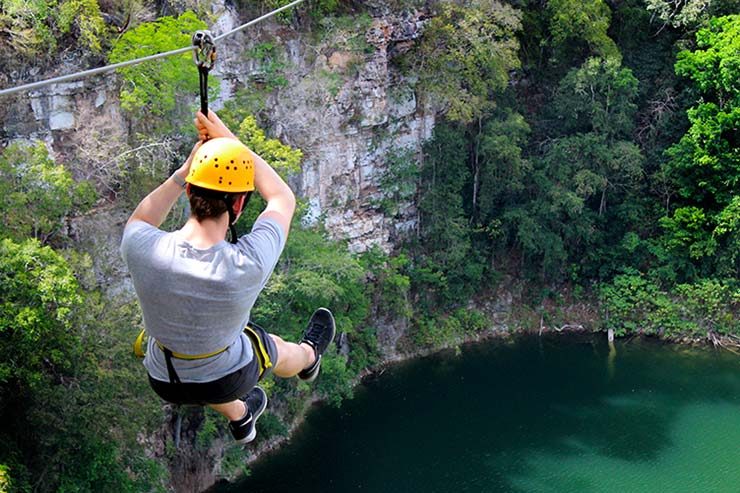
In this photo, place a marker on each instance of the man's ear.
(187, 189)
(239, 205)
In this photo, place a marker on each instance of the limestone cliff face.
(345, 111)
(343, 107)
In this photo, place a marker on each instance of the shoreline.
(273, 445)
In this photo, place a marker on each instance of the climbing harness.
(204, 56)
(259, 348)
(263, 357)
(108, 68)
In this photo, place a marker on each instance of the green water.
(556, 414)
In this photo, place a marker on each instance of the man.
(196, 290)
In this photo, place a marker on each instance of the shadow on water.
(503, 417)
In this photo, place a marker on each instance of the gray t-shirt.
(198, 301)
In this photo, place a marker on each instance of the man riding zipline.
(196, 290)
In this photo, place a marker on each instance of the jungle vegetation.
(586, 149)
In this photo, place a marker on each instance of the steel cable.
(108, 68)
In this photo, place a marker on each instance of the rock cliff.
(345, 107)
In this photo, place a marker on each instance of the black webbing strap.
(174, 378)
(203, 73)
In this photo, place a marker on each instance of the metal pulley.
(204, 56)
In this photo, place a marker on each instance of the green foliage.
(688, 231)
(465, 56)
(5, 481)
(398, 182)
(272, 66)
(713, 303)
(633, 303)
(389, 285)
(36, 29)
(679, 13)
(208, 429)
(705, 164)
(336, 380)
(312, 272)
(84, 17)
(446, 263)
(57, 420)
(446, 329)
(347, 33)
(39, 294)
(233, 463)
(707, 160)
(272, 426)
(503, 170)
(153, 92)
(598, 97)
(316, 9)
(585, 22)
(36, 195)
(284, 159)
(577, 188)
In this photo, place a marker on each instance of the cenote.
(529, 414)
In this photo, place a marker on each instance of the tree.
(34, 28)
(504, 172)
(566, 215)
(466, 54)
(283, 158)
(39, 294)
(447, 267)
(37, 196)
(584, 23)
(598, 97)
(679, 13)
(705, 164)
(158, 89)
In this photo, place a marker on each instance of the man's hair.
(208, 204)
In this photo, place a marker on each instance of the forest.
(585, 152)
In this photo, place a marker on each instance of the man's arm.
(153, 209)
(278, 195)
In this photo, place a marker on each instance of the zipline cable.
(108, 68)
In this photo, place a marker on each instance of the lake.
(560, 413)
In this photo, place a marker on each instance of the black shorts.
(229, 388)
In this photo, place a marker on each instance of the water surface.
(551, 414)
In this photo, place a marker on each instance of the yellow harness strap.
(259, 348)
(139, 344)
(140, 352)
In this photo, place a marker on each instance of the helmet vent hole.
(229, 183)
(215, 159)
(232, 161)
(227, 167)
(217, 166)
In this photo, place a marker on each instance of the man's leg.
(304, 358)
(243, 414)
(292, 358)
(233, 410)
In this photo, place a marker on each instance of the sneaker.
(318, 335)
(244, 430)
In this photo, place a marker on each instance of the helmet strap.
(232, 216)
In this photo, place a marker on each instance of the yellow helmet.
(223, 164)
